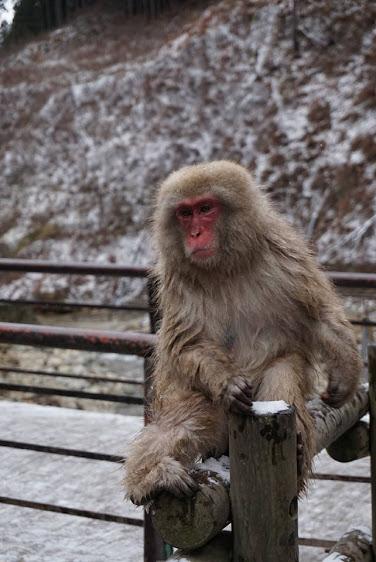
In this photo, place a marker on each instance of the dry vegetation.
(98, 112)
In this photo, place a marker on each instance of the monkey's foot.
(337, 394)
(167, 475)
(238, 396)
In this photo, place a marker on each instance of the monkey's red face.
(198, 217)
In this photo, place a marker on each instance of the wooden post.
(202, 518)
(264, 484)
(372, 437)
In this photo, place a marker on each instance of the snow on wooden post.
(264, 484)
(372, 413)
(354, 546)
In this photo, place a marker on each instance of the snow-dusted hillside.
(95, 114)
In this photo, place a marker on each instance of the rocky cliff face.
(95, 114)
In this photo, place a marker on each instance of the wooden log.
(218, 549)
(189, 523)
(264, 484)
(331, 423)
(372, 416)
(354, 546)
(352, 445)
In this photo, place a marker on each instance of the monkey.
(247, 314)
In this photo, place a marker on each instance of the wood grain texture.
(264, 487)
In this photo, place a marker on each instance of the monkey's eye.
(206, 208)
(184, 212)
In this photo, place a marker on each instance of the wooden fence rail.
(263, 485)
(263, 502)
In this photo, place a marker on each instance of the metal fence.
(132, 343)
(127, 343)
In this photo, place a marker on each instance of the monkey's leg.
(338, 348)
(288, 379)
(187, 427)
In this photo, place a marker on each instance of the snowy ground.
(37, 536)
(332, 508)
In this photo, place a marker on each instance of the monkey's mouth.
(203, 253)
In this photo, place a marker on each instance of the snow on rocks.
(85, 140)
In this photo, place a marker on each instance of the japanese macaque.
(246, 315)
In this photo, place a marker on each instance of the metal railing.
(139, 344)
(88, 340)
(66, 338)
(126, 343)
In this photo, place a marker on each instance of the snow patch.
(221, 466)
(362, 530)
(365, 534)
(335, 556)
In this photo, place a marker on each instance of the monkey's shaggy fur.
(260, 308)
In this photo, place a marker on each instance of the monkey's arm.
(210, 368)
(338, 349)
(204, 366)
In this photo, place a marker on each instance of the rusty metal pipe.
(353, 280)
(126, 343)
(81, 268)
(341, 279)
(68, 305)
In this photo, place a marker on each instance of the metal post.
(154, 547)
(372, 414)
(264, 485)
(365, 343)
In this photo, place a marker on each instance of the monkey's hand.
(238, 396)
(337, 393)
